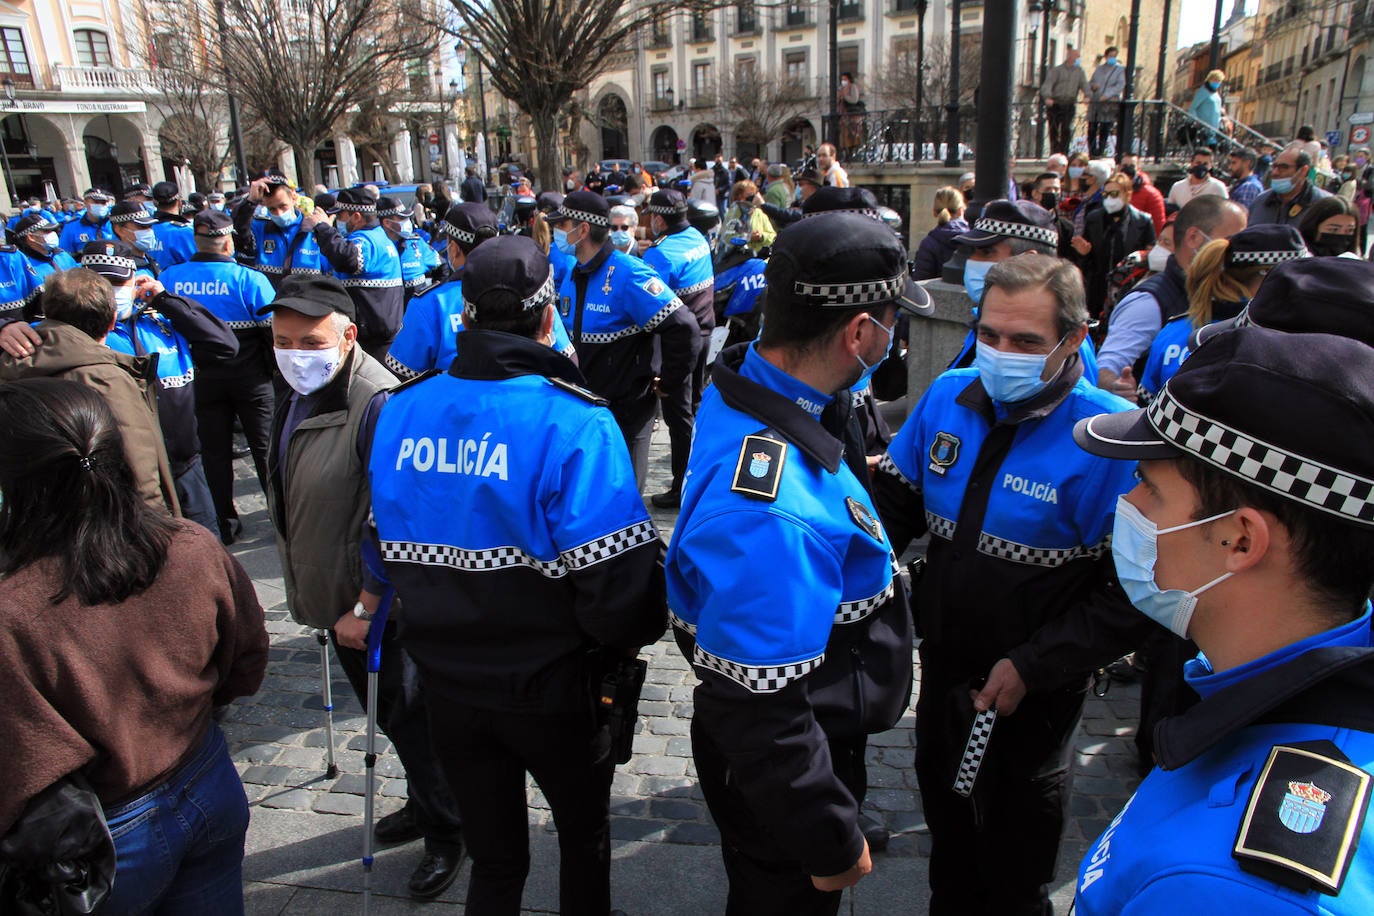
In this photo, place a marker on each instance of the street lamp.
(1043, 9)
(8, 85)
(921, 7)
(443, 120)
(952, 106)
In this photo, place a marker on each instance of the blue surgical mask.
(1135, 547)
(560, 241)
(406, 229)
(1011, 377)
(286, 220)
(869, 370)
(1213, 87)
(975, 272)
(1281, 185)
(1075, 171)
(622, 239)
(1112, 61)
(149, 209)
(124, 302)
(98, 211)
(145, 239)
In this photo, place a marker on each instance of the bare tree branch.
(762, 104)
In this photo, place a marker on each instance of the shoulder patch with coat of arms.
(758, 471)
(653, 286)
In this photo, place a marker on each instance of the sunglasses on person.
(621, 227)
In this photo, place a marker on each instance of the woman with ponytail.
(1222, 279)
(122, 630)
(939, 246)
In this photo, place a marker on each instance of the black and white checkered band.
(854, 611)
(609, 337)
(1243, 320)
(544, 296)
(845, 295)
(974, 752)
(581, 216)
(662, 314)
(765, 679)
(248, 325)
(130, 217)
(178, 381)
(695, 288)
(863, 211)
(940, 526)
(215, 233)
(462, 236)
(368, 283)
(681, 624)
(40, 227)
(578, 558)
(397, 210)
(399, 369)
(1312, 483)
(358, 208)
(1037, 556)
(1266, 258)
(665, 211)
(108, 260)
(1044, 235)
(887, 466)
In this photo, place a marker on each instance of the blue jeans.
(179, 848)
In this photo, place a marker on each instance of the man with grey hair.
(1014, 585)
(318, 499)
(624, 222)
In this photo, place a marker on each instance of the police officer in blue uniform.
(35, 236)
(419, 262)
(94, 222)
(1253, 535)
(17, 284)
(795, 670)
(268, 231)
(134, 227)
(175, 242)
(365, 261)
(514, 604)
(234, 389)
(183, 334)
(613, 306)
(682, 257)
(1015, 604)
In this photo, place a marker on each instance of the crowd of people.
(471, 395)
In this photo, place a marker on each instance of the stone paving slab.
(304, 842)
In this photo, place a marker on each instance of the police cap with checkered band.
(1002, 220)
(1293, 415)
(1308, 296)
(505, 278)
(843, 260)
(468, 225)
(582, 207)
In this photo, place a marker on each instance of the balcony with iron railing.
(702, 98)
(660, 39)
(745, 26)
(793, 17)
(850, 11)
(661, 103)
(701, 30)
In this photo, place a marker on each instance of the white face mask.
(124, 302)
(1158, 259)
(307, 371)
(1114, 204)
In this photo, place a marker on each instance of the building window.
(746, 20)
(794, 64)
(796, 14)
(93, 48)
(851, 10)
(661, 89)
(847, 58)
(16, 62)
(170, 50)
(701, 27)
(701, 85)
(746, 68)
(904, 55)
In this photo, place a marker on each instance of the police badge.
(758, 471)
(944, 451)
(564, 305)
(269, 246)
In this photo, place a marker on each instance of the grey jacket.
(1064, 83)
(1106, 90)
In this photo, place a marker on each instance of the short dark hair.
(1046, 176)
(1110, 51)
(598, 234)
(69, 495)
(81, 298)
(1334, 558)
(802, 328)
(506, 314)
(1045, 271)
(1307, 132)
(1203, 151)
(1204, 212)
(1303, 160)
(1241, 152)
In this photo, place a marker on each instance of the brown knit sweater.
(126, 688)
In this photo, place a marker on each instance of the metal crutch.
(374, 665)
(330, 769)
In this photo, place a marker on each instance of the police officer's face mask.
(1135, 548)
(868, 370)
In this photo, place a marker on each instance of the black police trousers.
(485, 754)
(218, 402)
(763, 880)
(994, 854)
(678, 410)
(402, 717)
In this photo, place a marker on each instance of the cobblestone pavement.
(304, 843)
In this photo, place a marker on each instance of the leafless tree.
(261, 150)
(302, 66)
(194, 111)
(762, 104)
(538, 53)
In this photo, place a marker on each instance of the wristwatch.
(361, 612)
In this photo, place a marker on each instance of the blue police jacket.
(176, 243)
(1167, 353)
(429, 337)
(562, 265)
(182, 334)
(417, 259)
(233, 294)
(43, 212)
(553, 550)
(682, 259)
(368, 266)
(277, 252)
(610, 306)
(786, 662)
(19, 284)
(39, 267)
(1019, 519)
(1188, 837)
(77, 232)
(749, 284)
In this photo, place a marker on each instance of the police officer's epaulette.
(578, 391)
(1303, 821)
(758, 471)
(425, 290)
(427, 374)
(8, 249)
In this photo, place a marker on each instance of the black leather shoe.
(875, 833)
(398, 827)
(434, 874)
(230, 530)
(669, 500)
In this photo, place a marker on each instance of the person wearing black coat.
(939, 245)
(1112, 231)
